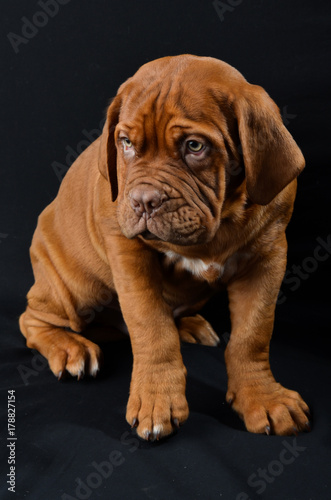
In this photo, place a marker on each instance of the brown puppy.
(202, 176)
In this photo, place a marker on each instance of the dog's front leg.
(264, 404)
(157, 402)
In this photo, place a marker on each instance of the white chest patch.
(197, 267)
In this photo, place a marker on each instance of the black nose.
(145, 199)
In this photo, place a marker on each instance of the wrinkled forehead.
(165, 98)
(185, 86)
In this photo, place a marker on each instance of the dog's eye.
(194, 146)
(126, 143)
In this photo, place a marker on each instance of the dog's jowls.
(188, 190)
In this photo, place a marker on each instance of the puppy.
(188, 190)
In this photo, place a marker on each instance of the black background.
(54, 91)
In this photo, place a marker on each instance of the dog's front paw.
(270, 409)
(157, 403)
(67, 352)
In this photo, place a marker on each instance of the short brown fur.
(146, 225)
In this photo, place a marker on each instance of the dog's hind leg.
(197, 330)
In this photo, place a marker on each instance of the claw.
(308, 426)
(60, 375)
(134, 423)
(267, 430)
(295, 431)
(176, 422)
(80, 375)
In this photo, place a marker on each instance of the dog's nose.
(145, 199)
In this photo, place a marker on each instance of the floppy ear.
(271, 156)
(107, 152)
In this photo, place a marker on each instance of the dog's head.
(173, 135)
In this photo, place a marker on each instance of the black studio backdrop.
(61, 62)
